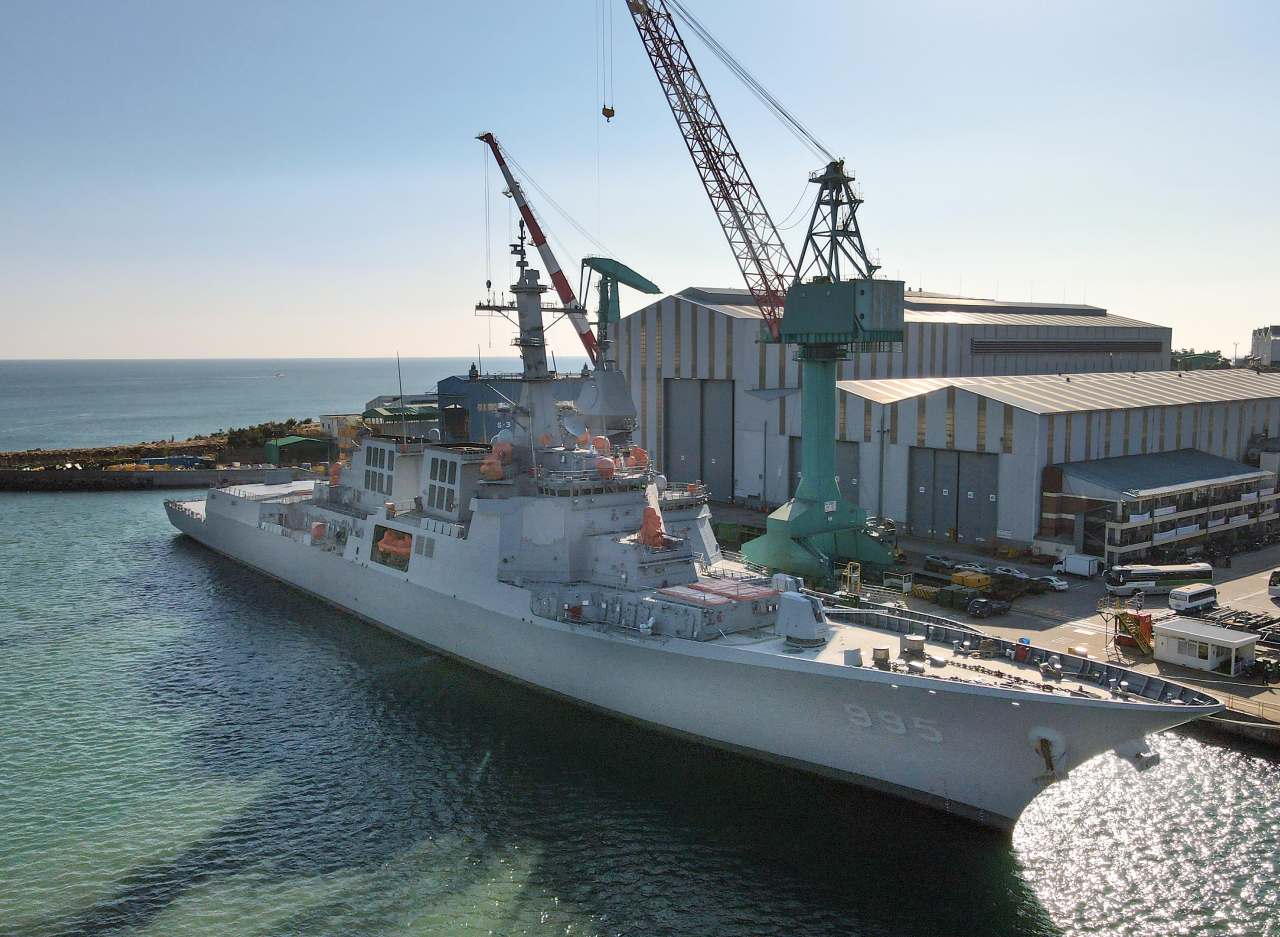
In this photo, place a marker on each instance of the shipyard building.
(718, 405)
(1265, 347)
(1111, 464)
(1056, 426)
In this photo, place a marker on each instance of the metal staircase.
(1119, 614)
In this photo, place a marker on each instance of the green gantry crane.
(829, 305)
(611, 274)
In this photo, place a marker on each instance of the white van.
(1193, 598)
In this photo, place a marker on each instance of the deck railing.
(182, 508)
(750, 571)
(233, 491)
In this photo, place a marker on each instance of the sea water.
(65, 404)
(188, 747)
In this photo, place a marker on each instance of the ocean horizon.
(73, 403)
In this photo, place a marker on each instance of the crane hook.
(608, 113)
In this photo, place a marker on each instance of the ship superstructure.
(554, 556)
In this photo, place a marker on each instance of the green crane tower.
(828, 304)
(611, 274)
(834, 307)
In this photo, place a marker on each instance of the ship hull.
(965, 749)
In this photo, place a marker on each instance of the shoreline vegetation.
(243, 444)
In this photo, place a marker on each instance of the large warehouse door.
(717, 438)
(847, 469)
(976, 510)
(698, 431)
(952, 495)
(946, 472)
(920, 492)
(683, 421)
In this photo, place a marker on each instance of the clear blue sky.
(182, 179)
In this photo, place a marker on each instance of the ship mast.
(528, 291)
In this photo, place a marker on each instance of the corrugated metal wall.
(676, 338)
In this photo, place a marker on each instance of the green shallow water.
(189, 748)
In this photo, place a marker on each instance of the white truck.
(1077, 564)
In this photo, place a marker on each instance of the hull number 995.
(887, 721)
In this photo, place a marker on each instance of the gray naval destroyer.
(552, 556)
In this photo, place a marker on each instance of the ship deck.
(956, 652)
(949, 650)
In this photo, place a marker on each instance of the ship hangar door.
(698, 444)
(952, 495)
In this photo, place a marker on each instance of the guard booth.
(1201, 646)
(898, 581)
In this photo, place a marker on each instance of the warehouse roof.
(984, 316)
(286, 441)
(1157, 473)
(410, 412)
(938, 307)
(1069, 393)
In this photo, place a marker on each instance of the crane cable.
(488, 237)
(524, 176)
(783, 225)
(788, 120)
(605, 35)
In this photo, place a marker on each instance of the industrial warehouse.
(973, 430)
(1022, 459)
(698, 354)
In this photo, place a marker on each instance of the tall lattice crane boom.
(766, 266)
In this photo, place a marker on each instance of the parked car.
(1054, 583)
(985, 608)
(969, 568)
(939, 564)
(1011, 571)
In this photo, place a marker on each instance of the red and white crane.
(762, 256)
(573, 309)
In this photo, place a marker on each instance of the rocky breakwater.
(121, 468)
(101, 457)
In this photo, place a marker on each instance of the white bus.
(1193, 598)
(1126, 580)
